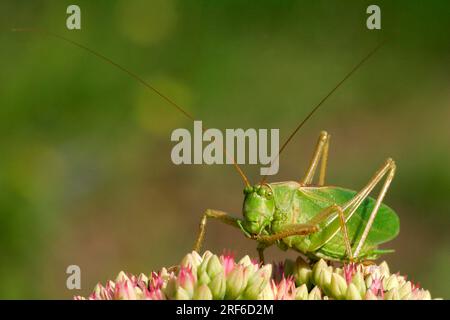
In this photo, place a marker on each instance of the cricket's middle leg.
(320, 155)
(216, 214)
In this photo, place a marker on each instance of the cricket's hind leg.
(388, 170)
(320, 155)
(345, 211)
(215, 214)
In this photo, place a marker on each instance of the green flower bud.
(171, 288)
(218, 286)
(202, 293)
(358, 281)
(315, 294)
(236, 282)
(203, 278)
(325, 279)
(303, 276)
(257, 282)
(206, 255)
(181, 294)
(317, 270)
(202, 268)
(392, 295)
(301, 293)
(214, 267)
(338, 286)
(352, 293)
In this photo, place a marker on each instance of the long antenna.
(132, 75)
(348, 75)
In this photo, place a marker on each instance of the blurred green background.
(85, 170)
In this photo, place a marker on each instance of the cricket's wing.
(330, 240)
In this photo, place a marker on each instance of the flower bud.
(384, 269)
(227, 263)
(214, 267)
(426, 295)
(171, 287)
(246, 261)
(338, 286)
(352, 293)
(358, 281)
(124, 291)
(405, 291)
(142, 280)
(202, 269)
(370, 296)
(202, 293)
(257, 282)
(392, 295)
(121, 277)
(236, 282)
(186, 280)
(315, 294)
(203, 278)
(301, 293)
(181, 294)
(302, 274)
(218, 286)
(267, 293)
(391, 283)
(192, 261)
(325, 279)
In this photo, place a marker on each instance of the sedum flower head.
(209, 276)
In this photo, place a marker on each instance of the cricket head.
(258, 209)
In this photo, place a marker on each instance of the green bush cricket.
(317, 220)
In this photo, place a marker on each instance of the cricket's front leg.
(216, 214)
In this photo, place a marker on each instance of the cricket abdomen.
(300, 204)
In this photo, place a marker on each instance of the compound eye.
(248, 189)
(269, 194)
(262, 192)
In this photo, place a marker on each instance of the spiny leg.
(320, 155)
(304, 229)
(389, 167)
(216, 214)
(265, 241)
(325, 214)
(349, 208)
(298, 229)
